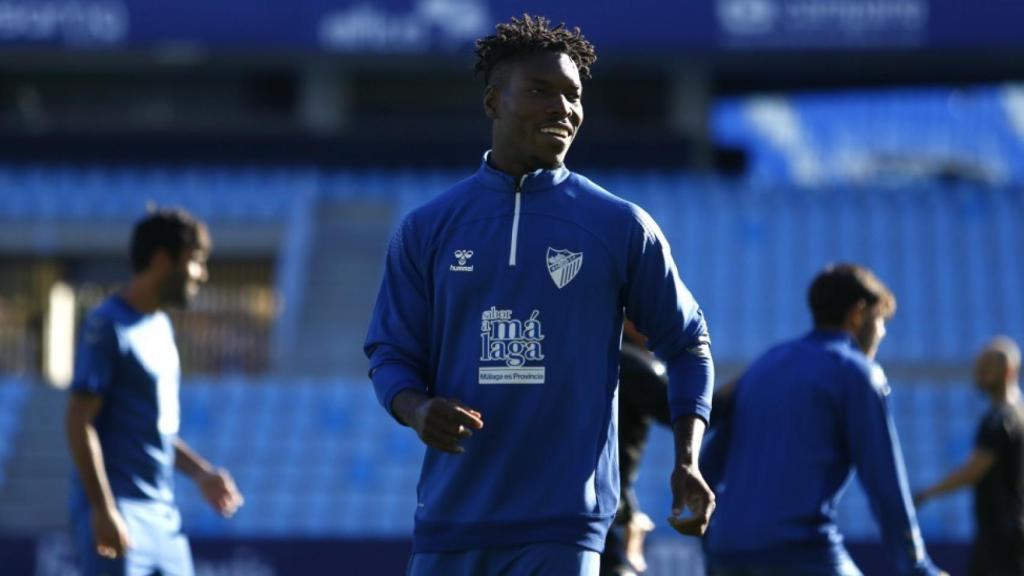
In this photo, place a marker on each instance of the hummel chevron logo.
(462, 256)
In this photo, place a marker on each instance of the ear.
(492, 101)
(855, 317)
(161, 261)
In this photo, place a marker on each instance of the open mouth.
(559, 132)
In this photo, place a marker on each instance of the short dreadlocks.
(529, 35)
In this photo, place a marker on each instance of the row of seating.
(322, 458)
(13, 395)
(748, 253)
(950, 253)
(95, 192)
(827, 138)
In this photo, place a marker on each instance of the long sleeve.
(665, 310)
(875, 448)
(397, 339)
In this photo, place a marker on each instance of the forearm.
(688, 432)
(954, 481)
(188, 461)
(405, 404)
(976, 467)
(392, 378)
(87, 455)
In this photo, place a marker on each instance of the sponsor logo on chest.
(511, 348)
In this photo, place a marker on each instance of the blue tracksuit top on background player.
(804, 416)
(508, 295)
(131, 360)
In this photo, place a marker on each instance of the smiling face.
(536, 106)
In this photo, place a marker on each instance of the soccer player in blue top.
(801, 420)
(122, 416)
(496, 334)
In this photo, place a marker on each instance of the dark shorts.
(528, 560)
(159, 547)
(998, 555)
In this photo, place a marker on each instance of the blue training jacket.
(804, 416)
(508, 295)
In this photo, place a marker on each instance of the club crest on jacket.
(563, 266)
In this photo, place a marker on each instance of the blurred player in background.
(122, 417)
(643, 399)
(502, 302)
(803, 417)
(996, 467)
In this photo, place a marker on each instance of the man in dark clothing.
(643, 399)
(996, 467)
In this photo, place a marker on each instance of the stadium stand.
(13, 393)
(894, 135)
(948, 250)
(318, 458)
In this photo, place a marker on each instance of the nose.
(197, 271)
(559, 106)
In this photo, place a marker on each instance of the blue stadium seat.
(844, 135)
(14, 393)
(62, 192)
(304, 473)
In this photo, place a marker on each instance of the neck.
(503, 162)
(836, 328)
(141, 295)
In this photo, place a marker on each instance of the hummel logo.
(462, 256)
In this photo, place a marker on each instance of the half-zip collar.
(530, 182)
(537, 180)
